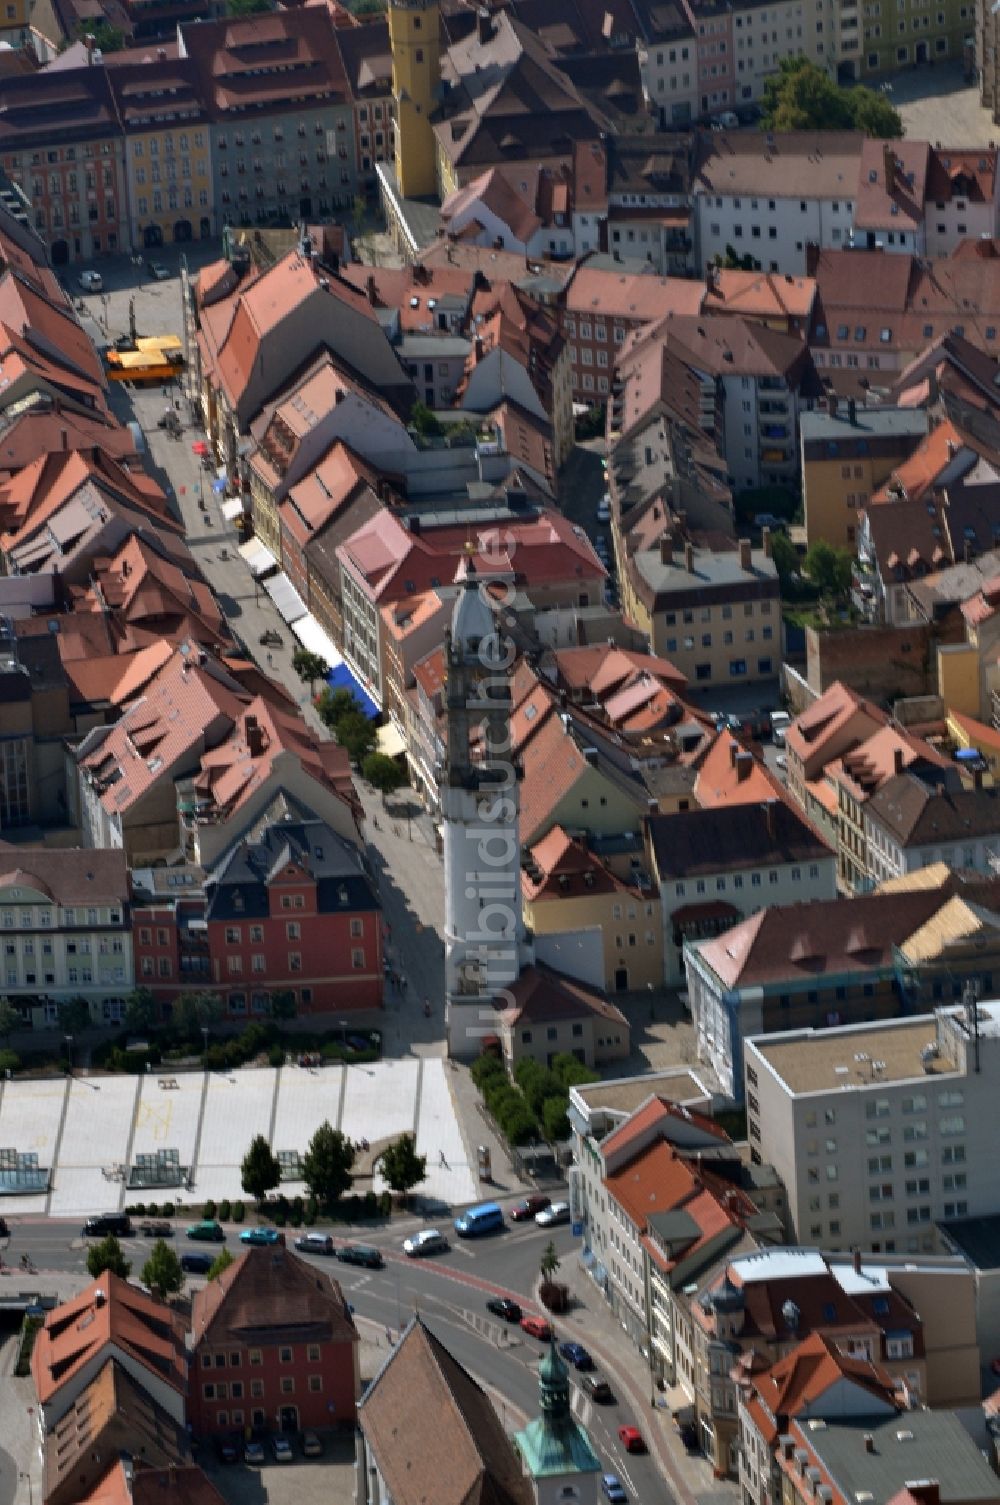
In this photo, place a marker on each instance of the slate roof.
(270, 1296)
(238, 885)
(729, 837)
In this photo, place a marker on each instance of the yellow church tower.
(415, 39)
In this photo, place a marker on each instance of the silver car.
(427, 1241)
(550, 1216)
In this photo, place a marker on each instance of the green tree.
(162, 1271)
(141, 1011)
(801, 96)
(732, 261)
(221, 1262)
(107, 1255)
(107, 38)
(10, 1019)
(550, 1261)
(786, 558)
(326, 1165)
(874, 115)
(401, 1166)
(357, 735)
(309, 667)
(283, 1003)
(247, 7)
(555, 1121)
(359, 213)
(260, 1171)
(829, 568)
(195, 1011)
(74, 1016)
(427, 424)
(383, 773)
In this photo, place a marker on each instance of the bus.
(485, 1218)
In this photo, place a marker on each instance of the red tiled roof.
(109, 1312)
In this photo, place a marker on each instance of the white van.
(780, 722)
(91, 282)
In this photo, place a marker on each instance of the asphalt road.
(449, 1291)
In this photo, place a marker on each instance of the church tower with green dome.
(554, 1448)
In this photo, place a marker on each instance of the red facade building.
(274, 1346)
(289, 911)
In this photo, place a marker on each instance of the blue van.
(482, 1219)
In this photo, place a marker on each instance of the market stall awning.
(285, 597)
(312, 636)
(390, 740)
(259, 558)
(233, 508)
(343, 678)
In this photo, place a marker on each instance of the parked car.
(604, 509)
(631, 1439)
(598, 1389)
(689, 1436)
(577, 1355)
(91, 282)
(552, 1216)
(427, 1241)
(361, 1254)
(613, 1491)
(311, 1445)
(208, 1231)
(271, 639)
(282, 1449)
(536, 1327)
(315, 1243)
(502, 1306)
(229, 1451)
(118, 1223)
(158, 271)
(526, 1209)
(261, 1236)
(197, 1264)
(253, 1453)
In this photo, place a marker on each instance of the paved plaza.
(86, 1129)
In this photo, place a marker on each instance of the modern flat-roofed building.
(880, 1131)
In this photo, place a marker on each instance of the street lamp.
(204, 1039)
(69, 1053)
(343, 1030)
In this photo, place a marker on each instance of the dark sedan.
(524, 1211)
(502, 1306)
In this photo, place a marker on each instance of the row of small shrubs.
(259, 1038)
(296, 1212)
(151, 1210)
(29, 1331)
(225, 1211)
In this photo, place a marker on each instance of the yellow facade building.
(415, 40)
(846, 456)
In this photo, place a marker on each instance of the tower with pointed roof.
(415, 44)
(480, 807)
(555, 1450)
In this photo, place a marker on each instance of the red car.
(523, 1212)
(631, 1439)
(536, 1327)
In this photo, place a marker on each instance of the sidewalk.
(592, 1323)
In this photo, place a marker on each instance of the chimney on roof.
(897, 760)
(666, 549)
(484, 24)
(478, 348)
(831, 404)
(100, 1297)
(689, 558)
(64, 439)
(889, 165)
(952, 449)
(869, 1443)
(744, 766)
(746, 561)
(769, 818)
(734, 751)
(414, 526)
(977, 777)
(765, 542)
(927, 1491)
(856, 1258)
(161, 53)
(89, 42)
(370, 291)
(852, 411)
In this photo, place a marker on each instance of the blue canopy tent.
(341, 678)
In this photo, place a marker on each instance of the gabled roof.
(465, 1458)
(69, 876)
(731, 836)
(798, 1382)
(108, 1314)
(110, 1416)
(265, 1295)
(543, 996)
